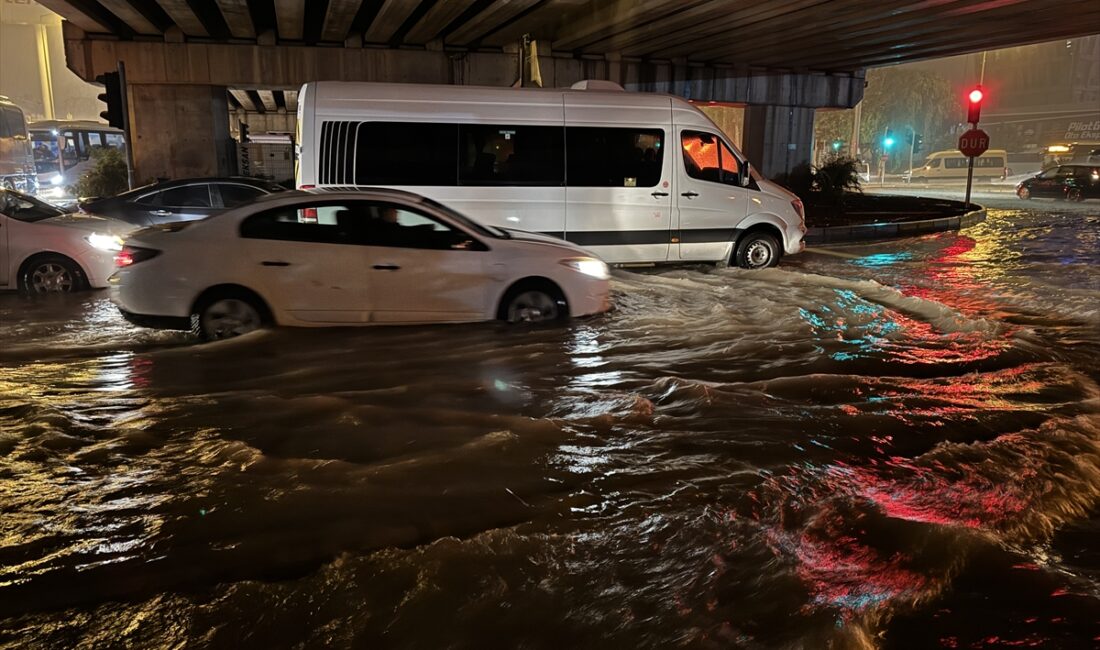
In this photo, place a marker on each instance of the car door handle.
(274, 263)
(690, 195)
(660, 194)
(386, 267)
(162, 213)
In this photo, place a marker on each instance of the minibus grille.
(337, 155)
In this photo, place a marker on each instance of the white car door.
(422, 270)
(5, 259)
(618, 179)
(306, 261)
(710, 201)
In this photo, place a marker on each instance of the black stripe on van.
(638, 237)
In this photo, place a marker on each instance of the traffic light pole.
(969, 179)
(124, 91)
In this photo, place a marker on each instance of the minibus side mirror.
(746, 175)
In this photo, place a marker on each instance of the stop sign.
(973, 143)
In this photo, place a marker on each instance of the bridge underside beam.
(259, 66)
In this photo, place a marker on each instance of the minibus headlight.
(589, 266)
(109, 243)
(57, 179)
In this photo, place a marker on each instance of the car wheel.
(227, 315)
(757, 250)
(534, 303)
(1023, 193)
(51, 274)
(1074, 194)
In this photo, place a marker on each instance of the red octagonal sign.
(973, 143)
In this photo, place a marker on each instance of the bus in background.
(63, 152)
(16, 159)
(952, 166)
(1071, 152)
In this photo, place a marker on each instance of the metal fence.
(273, 162)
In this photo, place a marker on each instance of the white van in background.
(952, 166)
(633, 177)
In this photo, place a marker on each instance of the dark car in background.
(179, 200)
(1069, 182)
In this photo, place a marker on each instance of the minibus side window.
(954, 163)
(707, 158)
(613, 157)
(934, 163)
(399, 153)
(511, 155)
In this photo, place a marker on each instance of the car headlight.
(109, 243)
(589, 266)
(57, 179)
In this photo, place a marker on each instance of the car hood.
(523, 235)
(90, 223)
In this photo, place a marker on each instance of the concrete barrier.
(877, 231)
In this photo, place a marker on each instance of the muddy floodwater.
(893, 445)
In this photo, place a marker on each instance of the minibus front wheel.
(757, 250)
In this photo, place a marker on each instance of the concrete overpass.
(780, 58)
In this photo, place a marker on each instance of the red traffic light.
(975, 109)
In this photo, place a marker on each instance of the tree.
(107, 177)
(901, 98)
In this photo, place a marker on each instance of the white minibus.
(63, 153)
(952, 166)
(633, 177)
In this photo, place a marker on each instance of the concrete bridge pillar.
(180, 130)
(776, 139)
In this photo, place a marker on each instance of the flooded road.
(891, 445)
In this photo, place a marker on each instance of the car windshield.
(26, 208)
(489, 231)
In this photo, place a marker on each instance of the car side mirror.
(746, 174)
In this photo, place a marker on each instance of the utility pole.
(912, 140)
(856, 117)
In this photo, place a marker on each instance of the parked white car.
(323, 258)
(45, 250)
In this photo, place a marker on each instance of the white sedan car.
(45, 250)
(324, 258)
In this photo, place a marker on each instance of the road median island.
(864, 217)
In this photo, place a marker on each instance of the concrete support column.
(180, 130)
(778, 138)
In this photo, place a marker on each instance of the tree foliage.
(900, 98)
(107, 177)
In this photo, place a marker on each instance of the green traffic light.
(888, 142)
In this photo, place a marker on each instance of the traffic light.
(242, 129)
(837, 144)
(888, 140)
(112, 97)
(918, 142)
(975, 97)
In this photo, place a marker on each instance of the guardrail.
(892, 230)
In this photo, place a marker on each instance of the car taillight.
(307, 215)
(307, 187)
(130, 255)
(797, 205)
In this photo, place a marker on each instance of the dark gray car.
(179, 200)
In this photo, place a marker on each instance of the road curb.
(875, 231)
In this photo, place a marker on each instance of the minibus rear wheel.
(757, 250)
